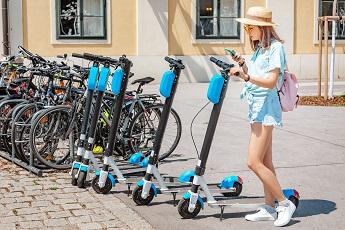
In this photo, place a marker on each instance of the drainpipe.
(5, 26)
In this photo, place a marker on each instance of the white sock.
(284, 203)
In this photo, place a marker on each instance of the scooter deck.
(238, 202)
(134, 171)
(126, 165)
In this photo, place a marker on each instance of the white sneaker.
(285, 211)
(265, 212)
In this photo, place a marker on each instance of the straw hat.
(258, 16)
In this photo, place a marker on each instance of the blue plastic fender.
(141, 183)
(92, 79)
(84, 168)
(186, 196)
(144, 163)
(103, 79)
(215, 88)
(116, 82)
(76, 165)
(186, 176)
(135, 158)
(290, 192)
(229, 182)
(110, 176)
(167, 83)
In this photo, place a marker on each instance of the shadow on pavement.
(313, 207)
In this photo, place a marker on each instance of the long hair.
(268, 33)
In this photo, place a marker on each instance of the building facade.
(148, 30)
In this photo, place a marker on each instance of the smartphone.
(231, 52)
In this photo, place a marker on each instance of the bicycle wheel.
(21, 129)
(49, 140)
(144, 127)
(6, 126)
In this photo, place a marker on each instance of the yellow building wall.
(180, 31)
(37, 30)
(304, 29)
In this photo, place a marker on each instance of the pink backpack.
(288, 91)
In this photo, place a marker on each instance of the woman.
(262, 75)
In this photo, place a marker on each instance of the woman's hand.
(237, 58)
(237, 72)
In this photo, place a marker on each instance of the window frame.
(58, 37)
(218, 37)
(318, 13)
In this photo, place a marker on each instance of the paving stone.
(13, 194)
(65, 201)
(82, 212)
(56, 222)
(79, 219)
(52, 208)
(24, 199)
(8, 226)
(26, 211)
(41, 203)
(11, 219)
(17, 205)
(31, 224)
(71, 206)
(44, 197)
(90, 226)
(60, 214)
(38, 216)
(6, 200)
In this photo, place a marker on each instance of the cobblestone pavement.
(27, 201)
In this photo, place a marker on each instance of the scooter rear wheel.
(294, 200)
(105, 190)
(81, 179)
(238, 191)
(183, 209)
(137, 196)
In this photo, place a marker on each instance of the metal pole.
(326, 60)
(331, 73)
(320, 59)
(4, 6)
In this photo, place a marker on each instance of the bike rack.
(11, 157)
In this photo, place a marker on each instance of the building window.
(81, 19)
(326, 9)
(216, 19)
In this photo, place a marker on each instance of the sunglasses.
(248, 28)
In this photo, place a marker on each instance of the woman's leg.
(260, 137)
(269, 198)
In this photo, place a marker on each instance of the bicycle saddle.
(143, 81)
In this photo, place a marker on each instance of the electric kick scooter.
(105, 180)
(191, 203)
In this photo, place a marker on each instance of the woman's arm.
(269, 82)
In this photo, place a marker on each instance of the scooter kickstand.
(222, 207)
(174, 196)
(129, 189)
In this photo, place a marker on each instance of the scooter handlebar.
(77, 55)
(221, 64)
(175, 62)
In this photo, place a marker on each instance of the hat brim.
(253, 22)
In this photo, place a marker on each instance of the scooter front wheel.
(106, 189)
(137, 196)
(74, 179)
(81, 179)
(183, 209)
